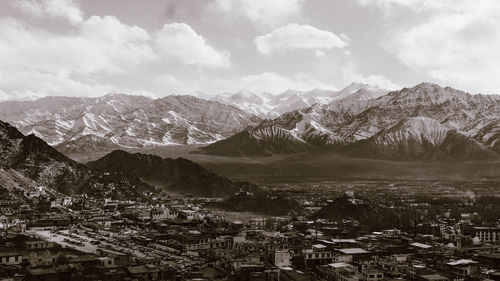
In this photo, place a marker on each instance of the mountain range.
(266, 105)
(125, 120)
(28, 163)
(116, 121)
(425, 122)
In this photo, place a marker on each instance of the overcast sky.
(93, 47)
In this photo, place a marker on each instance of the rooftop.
(420, 245)
(461, 262)
(353, 251)
(434, 277)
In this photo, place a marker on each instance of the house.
(106, 261)
(462, 269)
(356, 253)
(487, 234)
(144, 272)
(10, 258)
(373, 275)
(317, 255)
(41, 258)
(416, 270)
(432, 277)
(38, 244)
(282, 258)
(334, 269)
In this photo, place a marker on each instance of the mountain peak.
(426, 86)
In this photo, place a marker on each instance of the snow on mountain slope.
(419, 138)
(363, 114)
(453, 108)
(127, 120)
(268, 106)
(86, 143)
(415, 129)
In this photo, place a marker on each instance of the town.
(179, 237)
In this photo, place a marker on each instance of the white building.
(487, 234)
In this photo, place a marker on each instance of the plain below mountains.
(261, 203)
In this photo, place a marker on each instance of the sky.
(158, 48)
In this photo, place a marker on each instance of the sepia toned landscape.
(249, 140)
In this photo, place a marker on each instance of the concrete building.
(487, 234)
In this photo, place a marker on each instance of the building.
(357, 254)
(461, 269)
(317, 255)
(373, 275)
(432, 277)
(487, 234)
(106, 261)
(38, 244)
(334, 269)
(417, 270)
(282, 258)
(10, 258)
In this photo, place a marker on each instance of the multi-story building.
(487, 234)
(317, 255)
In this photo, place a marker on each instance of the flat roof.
(344, 241)
(338, 264)
(434, 277)
(421, 245)
(352, 251)
(461, 262)
(10, 254)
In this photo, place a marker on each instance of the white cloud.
(351, 74)
(180, 41)
(3, 96)
(274, 83)
(64, 9)
(381, 81)
(170, 84)
(319, 53)
(27, 48)
(452, 42)
(32, 84)
(295, 36)
(80, 61)
(262, 13)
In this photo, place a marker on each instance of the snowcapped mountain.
(86, 143)
(266, 105)
(127, 120)
(255, 103)
(294, 131)
(443, 118)
(419, 138)
(454, 109)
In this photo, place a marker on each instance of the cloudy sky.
(93, 47)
